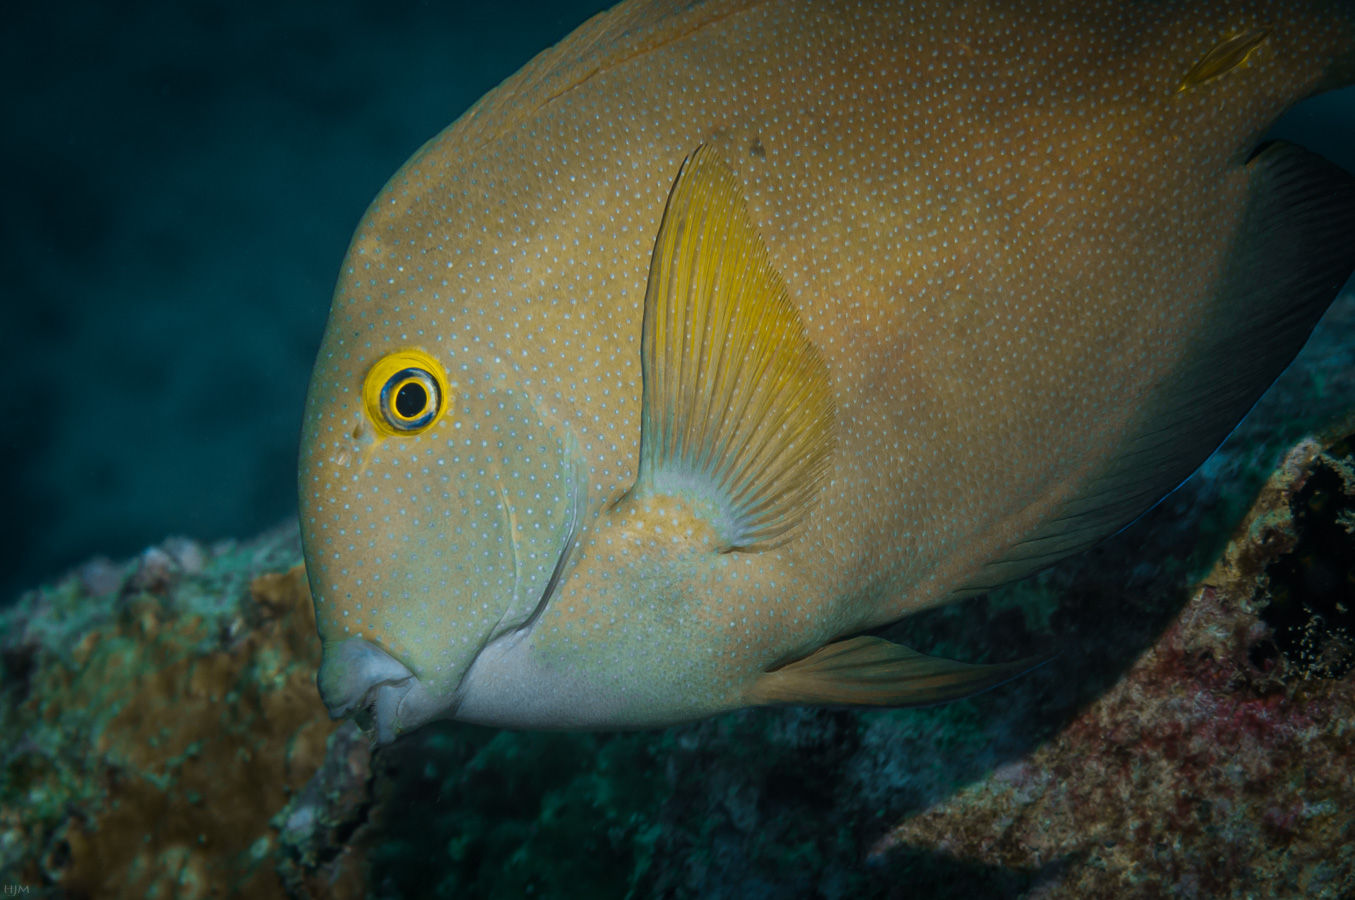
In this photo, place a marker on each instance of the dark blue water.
(181, 180)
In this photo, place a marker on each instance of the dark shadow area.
(469, 811)
(1311, 611)
(939, 876)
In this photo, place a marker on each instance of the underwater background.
(183, 179)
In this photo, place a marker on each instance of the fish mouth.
(384, 698)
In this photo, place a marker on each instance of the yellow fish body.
(726, 331)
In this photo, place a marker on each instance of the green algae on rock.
(155, 715)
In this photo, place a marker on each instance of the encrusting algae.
(157, 715)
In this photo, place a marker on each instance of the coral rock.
(160, 731)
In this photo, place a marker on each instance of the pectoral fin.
(737, 410)
(870, 671)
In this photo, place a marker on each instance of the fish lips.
(359, 679)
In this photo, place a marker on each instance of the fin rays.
(736, 400)
(870, 671)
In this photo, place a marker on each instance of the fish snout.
(360, 680)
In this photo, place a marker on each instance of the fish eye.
(405, 392)
(410, 399)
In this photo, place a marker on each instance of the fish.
(724, 334)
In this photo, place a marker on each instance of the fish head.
(459, 564)
(436, 500)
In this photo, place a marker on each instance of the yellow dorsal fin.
(736, 409)
(870, 671)
(1224, 57)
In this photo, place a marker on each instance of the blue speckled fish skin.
(1044, 266)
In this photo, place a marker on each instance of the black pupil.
(411, 400)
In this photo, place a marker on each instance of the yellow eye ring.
(405, 392)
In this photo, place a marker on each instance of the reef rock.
(1219, 764)
(155, 716)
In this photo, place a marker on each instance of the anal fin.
(870, 671)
